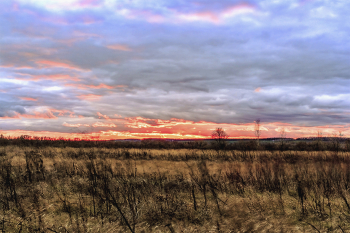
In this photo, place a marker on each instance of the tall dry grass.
(139, 190)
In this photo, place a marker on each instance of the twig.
(51, 230)
(114, 202)
(341, 228)
(313, 227)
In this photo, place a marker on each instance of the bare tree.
(336, 140)
(319, 138)
(283, 135)
(257, 130)
(219, 135)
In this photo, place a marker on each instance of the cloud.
(66, 5)
(201, 16)
(28, 99)
(219, 16)
(196, 130)
(51, 64)
(101, 124)
(119, 47)
(62, 112)
(35, 115)
(90, 97)
(218, 62)
(75, 125)
(53, 77)
(100, 86)
(103, 116)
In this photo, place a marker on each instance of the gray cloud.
(297, 54)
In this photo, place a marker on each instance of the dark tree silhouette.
(220, 136)
(257, 130)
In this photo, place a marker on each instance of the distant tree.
(336, 141)
(283, 135)
(318, 140)
(219, 135)
(257, 130)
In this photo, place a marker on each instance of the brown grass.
(136, 190)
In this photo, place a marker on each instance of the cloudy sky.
(174, 68)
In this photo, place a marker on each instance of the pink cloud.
(52, 77)
(35, 115)
(51, 64)
(217, 17)
(201, 16)
(62, 112)
(60, 77)
(44, 114)
(90, 97)
(241, 8)
(15, 7)
(101, 124)
(100, 86)
(88, 3)
(119, 47)
(75, 125)
(103, 116)
(15, 67)
(146, 15)
(28, 99)
(257, 89)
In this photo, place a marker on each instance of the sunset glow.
(111, 69)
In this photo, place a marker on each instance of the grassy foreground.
(135, 190)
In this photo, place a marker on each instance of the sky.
(118, 69)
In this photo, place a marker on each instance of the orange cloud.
(90, 97)
(126, 134)
(119, 47)
(28, 99)
(51, 64)
(50, 135)
(204, 129)
(196, 130)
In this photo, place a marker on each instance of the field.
(54, 189)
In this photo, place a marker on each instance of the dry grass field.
(147, 190)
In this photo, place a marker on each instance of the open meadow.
(54, 189)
